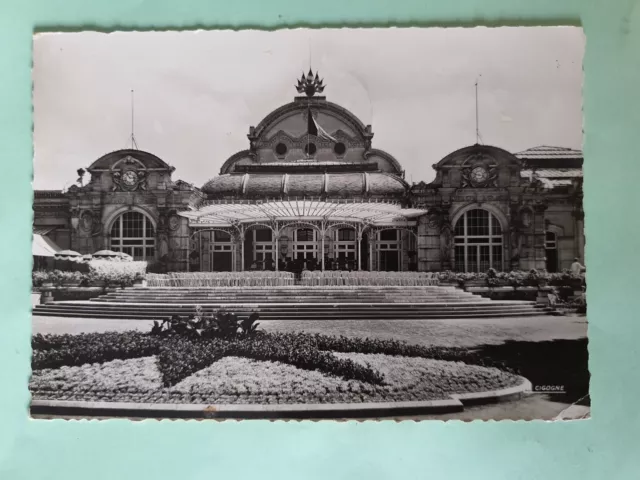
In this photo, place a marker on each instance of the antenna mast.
(477, 114)
(134, 144)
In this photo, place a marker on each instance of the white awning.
(226, 214)
(43, 246)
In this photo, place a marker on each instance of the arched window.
(133, 233)
(478, 242)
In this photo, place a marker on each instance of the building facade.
(312, 191)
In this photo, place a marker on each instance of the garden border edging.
(456, 403)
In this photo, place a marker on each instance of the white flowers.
(240, 380)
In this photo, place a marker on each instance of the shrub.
(183, 357)
(220, 324)
(121, 273)
(579, 304)
(38, 277)
(491, 278)
(54, 351)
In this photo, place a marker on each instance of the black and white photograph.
(330, 224)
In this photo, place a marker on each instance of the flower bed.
(515, 279)
(260, 368)
(234, 380)
(96, 272)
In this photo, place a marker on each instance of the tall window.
(263, 247)
(306, 247)
(478, 242)
(344, 246)
(551, 251)
(133, 234)
(389, 251)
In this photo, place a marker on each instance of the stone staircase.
(293, 303)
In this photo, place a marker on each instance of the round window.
(281, 149)
(310, 148)
(339, 148)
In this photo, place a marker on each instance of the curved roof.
(494, 152)
(270, 185)
(148, 159)
(220, 214)
(375, 152)
(226, 166)
(301, 105)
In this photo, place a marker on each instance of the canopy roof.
(223, 214)
(43, 246)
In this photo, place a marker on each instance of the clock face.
(479, 174)
(130, 178)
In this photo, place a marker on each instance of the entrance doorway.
(221, 251)
(389, 261)
(389, 247)
(364, 252)
(222, 261)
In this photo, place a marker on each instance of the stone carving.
(439, 218)
(174, 222)
(131, 177)
(163, 245)
(516, 243)
(479, 176)
(86, 221)
(129, 180)
(446, 245)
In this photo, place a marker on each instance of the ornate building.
(311, 190)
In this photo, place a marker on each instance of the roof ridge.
(547, 148)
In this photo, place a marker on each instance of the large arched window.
(133, 233)
(478, 242)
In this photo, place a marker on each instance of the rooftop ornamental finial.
(310, 85)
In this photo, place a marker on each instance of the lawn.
(460, 333)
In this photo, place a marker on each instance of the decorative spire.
(310, 84)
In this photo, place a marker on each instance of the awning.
(43, 246)
(46, 230)
(227, 214)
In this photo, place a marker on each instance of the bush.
(122, 273)
(515, 278)
(183, 357)
(220, 324)
(54, 351)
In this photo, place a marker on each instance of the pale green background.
(601, 448)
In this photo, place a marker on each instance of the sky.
(196, 93)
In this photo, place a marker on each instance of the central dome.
(309, 147)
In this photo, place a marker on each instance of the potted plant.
(491, 279)
(71, 279)
(139, 280)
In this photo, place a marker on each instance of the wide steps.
(264, 301)
(315, 316)
(293, 303)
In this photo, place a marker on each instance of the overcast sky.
(197, 93)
